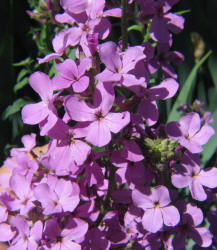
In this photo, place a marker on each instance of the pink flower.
(57, 197)
(189, 174)
(67, 148)
(102, 122)
(158, 212)
(29, 142)
(43, 112)
(71, 74)
(27, 238)
(75, 6)
(6, 233)
(189, 133)
(119, 64)
(24, 195)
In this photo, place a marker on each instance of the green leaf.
(186, 89)
(182, 12)
(14, 108)
(201, 95)
(21, 84)
(212, 65)
(22, 73)
(71, 53)
(135, 27)
(190, 244)
(212, 97)
(24, 62)
(210, 147)
(52, 71)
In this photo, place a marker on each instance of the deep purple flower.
(190, 227)
(67, 238)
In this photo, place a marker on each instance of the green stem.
(124, 24)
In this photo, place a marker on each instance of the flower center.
(99, 115)
(156, 204)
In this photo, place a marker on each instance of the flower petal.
(116, 121)
(152, 220)
(68, 69)
(171, 216)
(81, 85)
(41, 83)
(208, 177)
(6, 233)
(197, 190)
(98, 134)
(34, 113)
(82, 112)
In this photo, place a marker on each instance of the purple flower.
(57, 197)
(189, 227)
(29, 142)
(71, 74)
(66, 149)
(26, 238)
(189, 133)
(119, 64)
(89, 22)
(60, 42)
(43, 112)
(148, 107)
(189, 174)
(68, 238)
(23, 165)
(102, 122)
(6, 233)
(24, 195)
(75, 6)
(158, 212)
(162, 21)
(94, 238)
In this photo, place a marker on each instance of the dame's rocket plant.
(112, 177)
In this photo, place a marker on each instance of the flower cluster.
(109, 179)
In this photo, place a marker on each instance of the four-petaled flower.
(157, 211)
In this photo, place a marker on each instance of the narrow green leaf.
(24, 62)
(211, 146)
(14, 108)
(52, 72)
(201, 94)
(21, 84)
(22, 73)
(135, 27)
(212, 65)
(212, 97)
(184, 93)
(182, 12)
